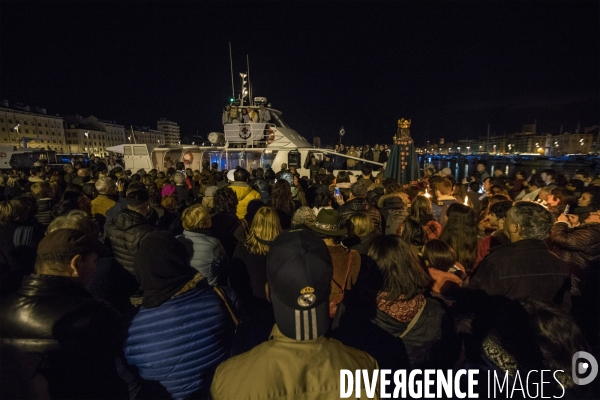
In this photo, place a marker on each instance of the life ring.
(188, 157)
(271, 136)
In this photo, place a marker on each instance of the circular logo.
(306, 300)
(245, 132)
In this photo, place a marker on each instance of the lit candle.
(466, 203)
(427, 194)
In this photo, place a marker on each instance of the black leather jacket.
(124, 235)
(53, 329)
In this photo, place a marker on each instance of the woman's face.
(584, 200)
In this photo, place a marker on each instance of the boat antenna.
(231, 66)
(249, 82)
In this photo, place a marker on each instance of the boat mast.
(249, 81)
(231, 66)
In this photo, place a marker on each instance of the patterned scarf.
(401, 309)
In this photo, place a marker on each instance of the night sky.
(452, 67)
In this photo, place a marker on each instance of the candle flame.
(466, 203)
(427, 194)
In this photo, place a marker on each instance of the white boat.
(247, 145)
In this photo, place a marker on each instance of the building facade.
(144, 135)
(170, 130)
(92, 135)
(23, 126)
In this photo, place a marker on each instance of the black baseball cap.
(299, 272)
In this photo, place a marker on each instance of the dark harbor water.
(463, 168)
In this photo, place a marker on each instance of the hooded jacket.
(360, 204)
(124, 235)
(245, 194)
(207, 256)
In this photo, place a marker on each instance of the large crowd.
(264, 284)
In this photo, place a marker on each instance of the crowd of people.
(264, 284)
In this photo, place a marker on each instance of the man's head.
(241, 175)
(497, 213)
(283, 166)
(548, 175)
(367, 169)
(214, 165)
(358, 189)
(69, 253)
(139, 201)
(42, 190)
(487, 184)
(521, 175)
(527, 220)
(105, 186)
(443, 188)
(299, 273)
(498, 173)
(480, 167)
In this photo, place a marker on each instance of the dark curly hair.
(225, 201)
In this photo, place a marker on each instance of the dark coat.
(360, 204)
(223, 228)
(248, 276)
(524, 269)
(53, 330)
(124, 235)
(180, 343)
(18, 250)
(580, 249)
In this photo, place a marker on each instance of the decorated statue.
(403, 163)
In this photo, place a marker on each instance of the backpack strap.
(343, 287)
(413, 321)
(227, 304)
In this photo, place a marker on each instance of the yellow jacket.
(284, 368)
(245, 194)
(101, 204)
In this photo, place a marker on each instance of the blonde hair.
(362, 223)
(42, 190)
(265, 228)
(194, 217)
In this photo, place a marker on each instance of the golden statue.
(403, 133)
(404, 123)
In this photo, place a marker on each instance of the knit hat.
(328, 223)
(299, 272)
(446, 171)
(162, 267)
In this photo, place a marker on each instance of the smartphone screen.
(337, 191)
